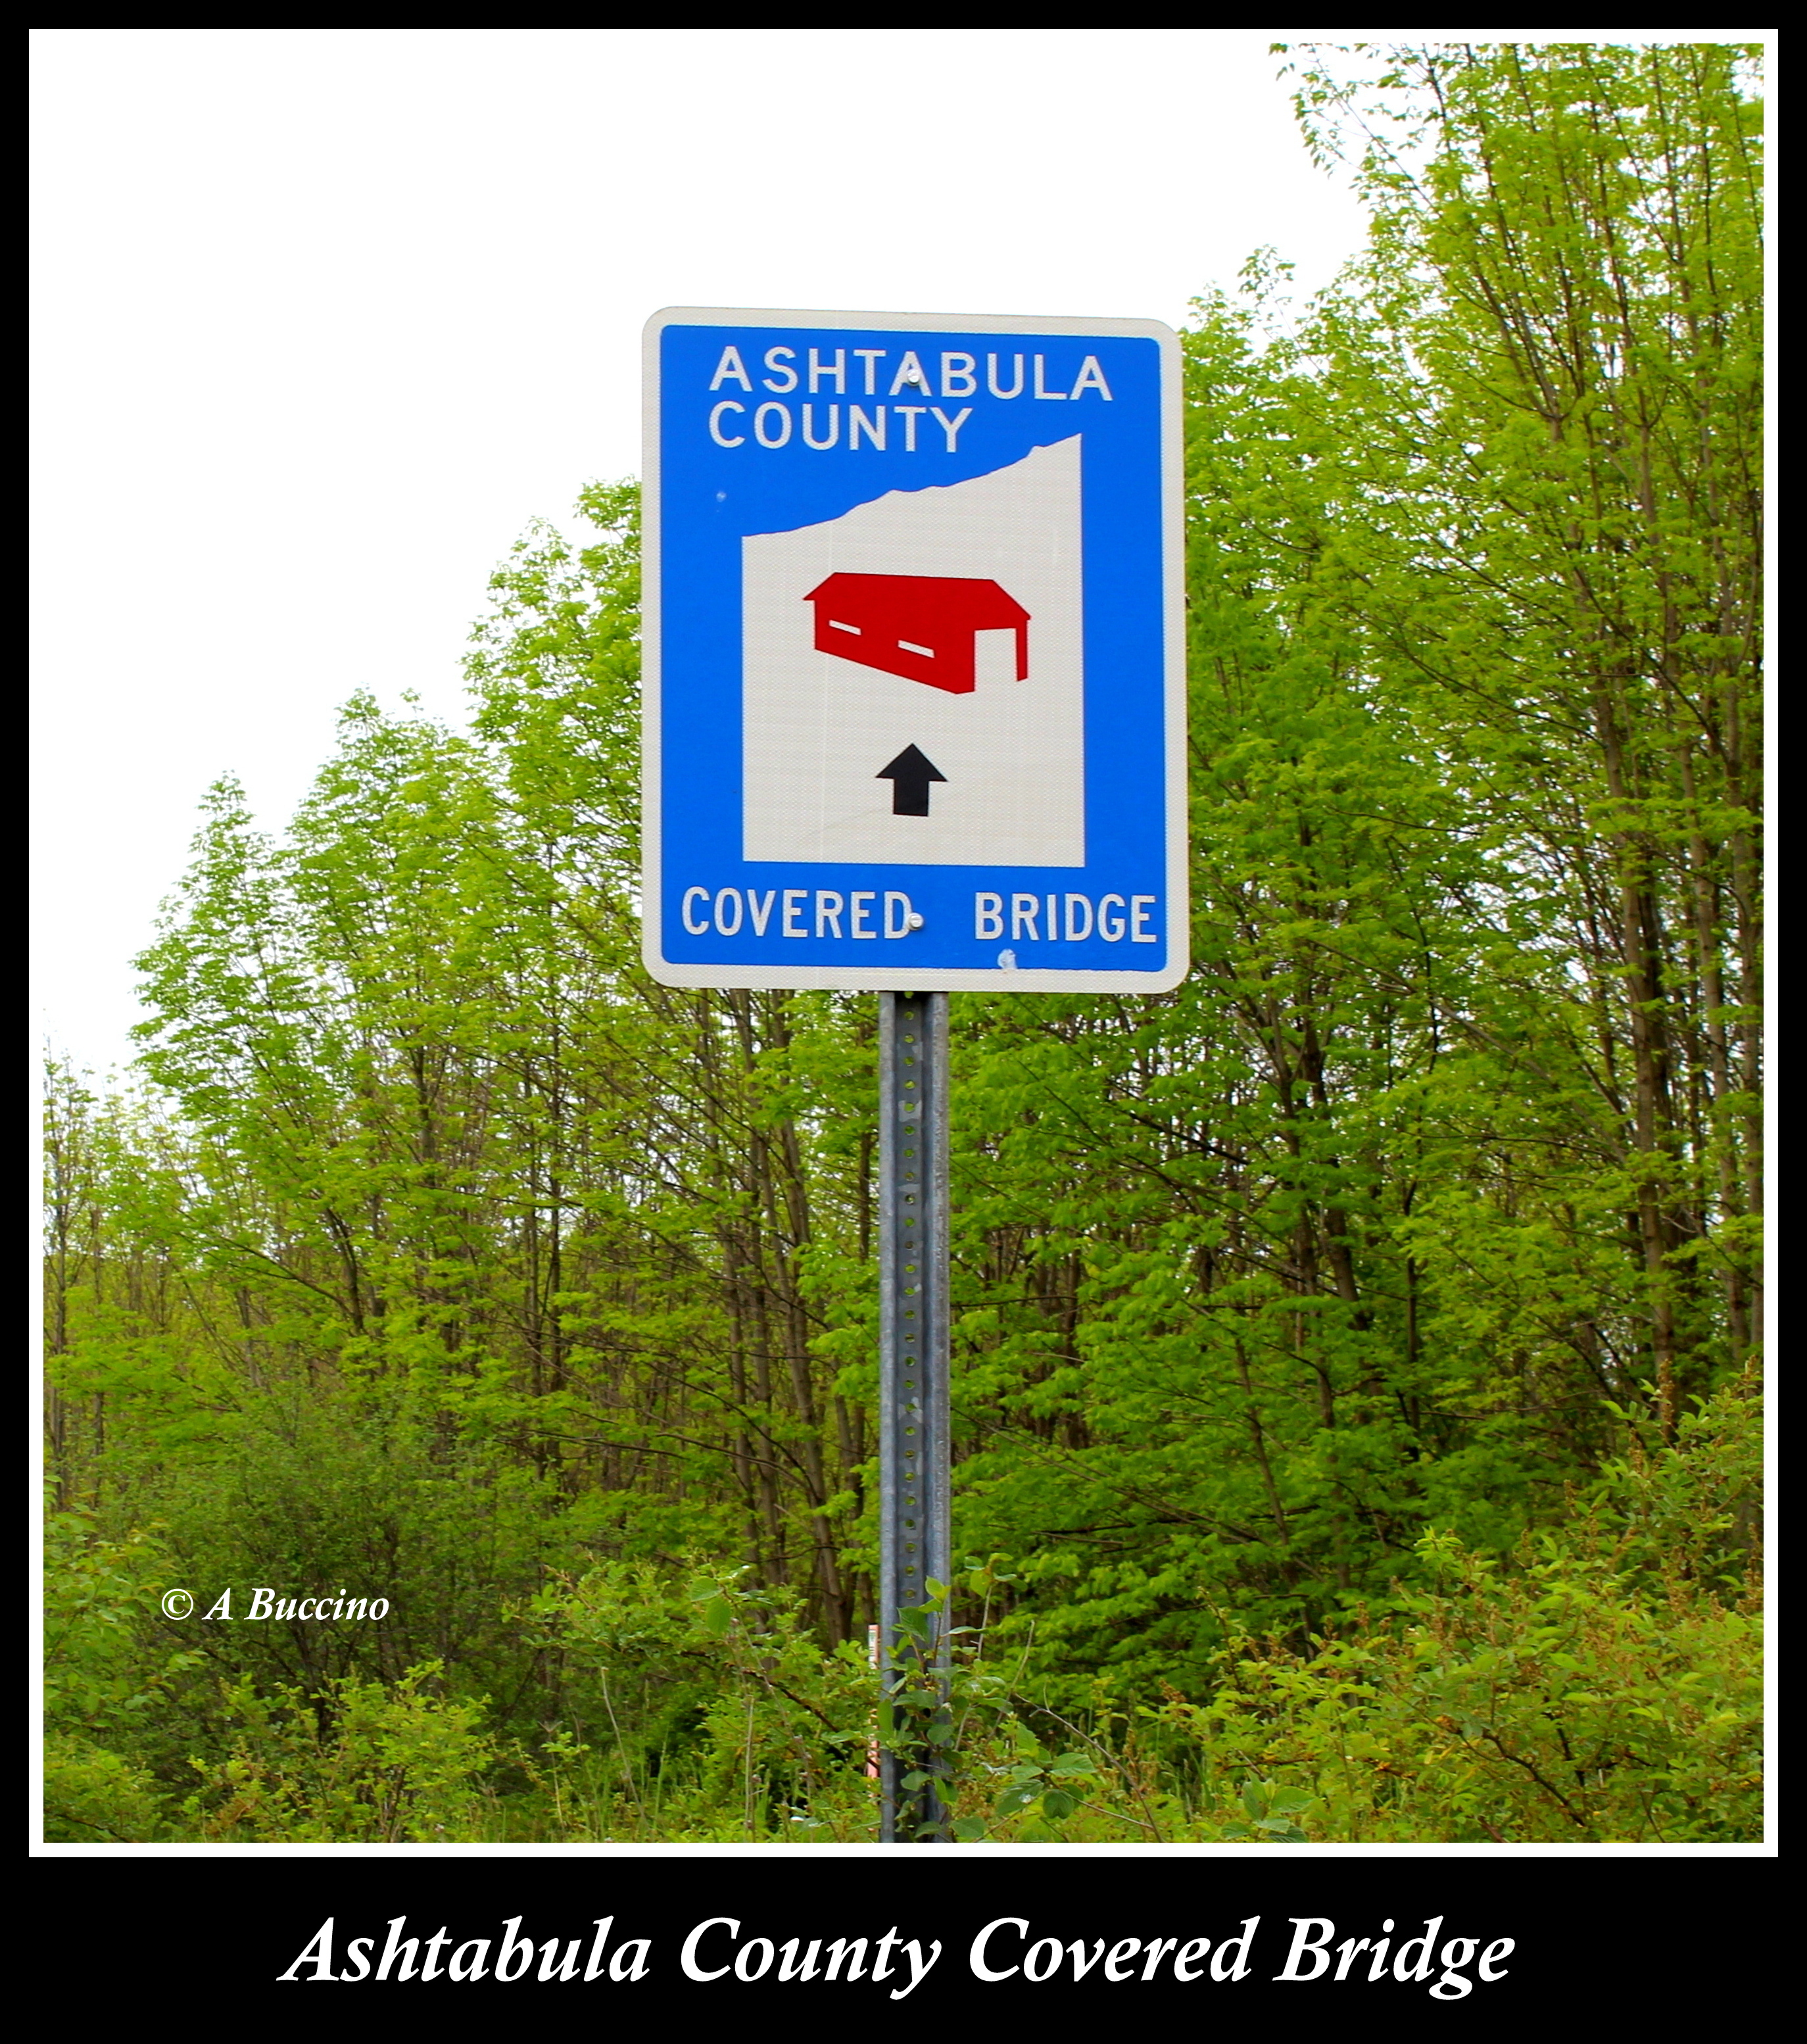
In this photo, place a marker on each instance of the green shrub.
(358, 1761)
(1607, 1685)
(92, 1797)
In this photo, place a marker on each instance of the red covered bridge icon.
(920, 628)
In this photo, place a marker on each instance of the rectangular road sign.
(914, 663)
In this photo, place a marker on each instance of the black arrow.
(910, 774)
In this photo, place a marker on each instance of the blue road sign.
(914, 657)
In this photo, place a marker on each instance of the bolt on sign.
(914, 652)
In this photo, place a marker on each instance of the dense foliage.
(1354, 1367)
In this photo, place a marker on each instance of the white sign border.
(900, 978)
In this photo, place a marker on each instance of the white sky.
(324, 317)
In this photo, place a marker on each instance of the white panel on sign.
(926, 743)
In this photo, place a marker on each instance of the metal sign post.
(915, 1539)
